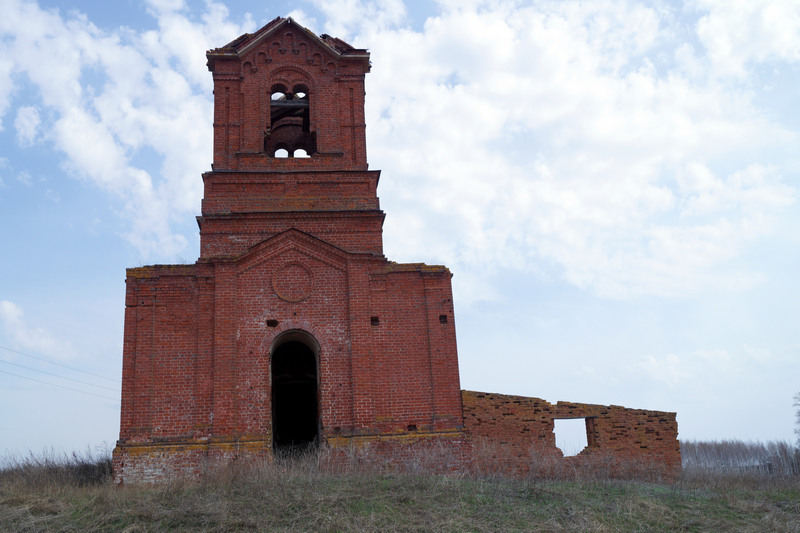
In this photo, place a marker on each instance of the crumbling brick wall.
(514, 434)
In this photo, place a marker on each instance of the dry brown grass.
(298, 494)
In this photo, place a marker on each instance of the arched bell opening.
(290, 122)
(295, 392)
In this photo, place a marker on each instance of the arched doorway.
(295, 398)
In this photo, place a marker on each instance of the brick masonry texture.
(291, 266)
(514, 435)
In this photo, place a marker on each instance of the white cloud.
(24, 337)
(165, 6)
(668, 370)
(115, 98)
(6, 84)
(91, 148)
(531, 136)
(52, 195)
(739, 32)
(25, 178)
(305, 19)
(27, 125)
(348, 18)
(712, 390)
(755, 188)
(712, 368)
(581, 140)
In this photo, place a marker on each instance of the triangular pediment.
(288, 36)
(293, 240)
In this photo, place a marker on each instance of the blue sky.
(613, 184)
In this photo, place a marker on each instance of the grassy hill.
(77, 494)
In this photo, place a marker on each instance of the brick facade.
(292, 328)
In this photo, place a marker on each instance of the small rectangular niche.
(374, 321)
(442, 319)
(272, 323)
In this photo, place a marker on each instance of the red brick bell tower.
(292, 329)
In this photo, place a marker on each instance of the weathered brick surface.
(514, 434)
(291, 251)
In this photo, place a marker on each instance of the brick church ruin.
(292, 330)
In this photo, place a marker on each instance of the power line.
(59, 386)
(57, 375)
(58, 364)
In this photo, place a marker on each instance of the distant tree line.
(797, 417)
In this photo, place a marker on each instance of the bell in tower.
(285, 93)
(289, 133)
(289, 138)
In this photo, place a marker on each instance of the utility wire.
(59, 386)
(58, 375)
(58, 364)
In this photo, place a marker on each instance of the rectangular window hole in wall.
(572, 434)
(272, 323)
(412, 427)
(374, 321)
(442, 319)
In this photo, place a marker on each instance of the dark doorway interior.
(294, 398)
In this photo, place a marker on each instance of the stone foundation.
(439, 453)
